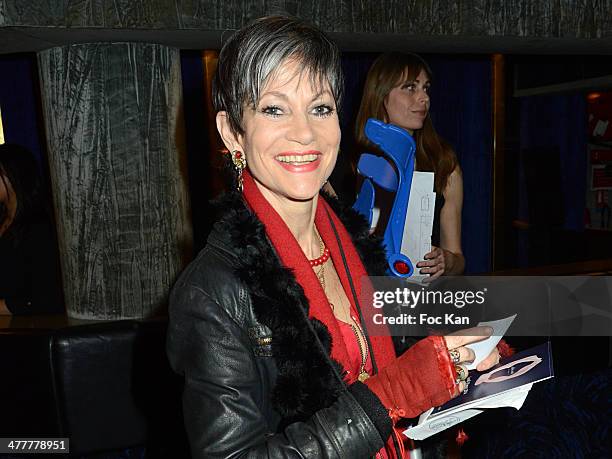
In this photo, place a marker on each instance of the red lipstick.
(296, 162)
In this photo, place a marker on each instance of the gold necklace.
(363, 375)
(355, 326)
(321, 272)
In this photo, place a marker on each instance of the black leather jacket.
(258, 378)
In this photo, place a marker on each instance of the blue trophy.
(399, 146)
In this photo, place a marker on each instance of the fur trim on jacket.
(308, 380)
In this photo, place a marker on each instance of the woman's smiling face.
(291, 136)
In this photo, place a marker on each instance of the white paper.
(418, 226)
(600, 128)
(510, 398)
(513, 399)
(375, 217)
(483, 348)
(425, 415)
(429, 428)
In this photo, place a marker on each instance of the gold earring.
(239, 162)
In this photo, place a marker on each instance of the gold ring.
(455, 355)
(462, 372)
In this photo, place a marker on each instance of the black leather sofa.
(106, 386)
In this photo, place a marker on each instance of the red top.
(353, 350)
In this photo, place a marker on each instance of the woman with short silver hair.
(266, 324)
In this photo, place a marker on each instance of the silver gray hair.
(254, 52)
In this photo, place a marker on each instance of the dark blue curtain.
(461, 112)
(197, 144)
(552, 179)
(556, 126)
(19, 102)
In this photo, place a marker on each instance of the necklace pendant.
(363, 375)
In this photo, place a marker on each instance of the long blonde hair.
(432, 152)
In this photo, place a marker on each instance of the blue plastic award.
(399, 146)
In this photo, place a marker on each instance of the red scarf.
(292, 256)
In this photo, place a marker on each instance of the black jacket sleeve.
(227, 391)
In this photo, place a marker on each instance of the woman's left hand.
(434, 264)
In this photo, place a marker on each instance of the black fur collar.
(307, 379)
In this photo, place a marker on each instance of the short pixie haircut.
(251, 55)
